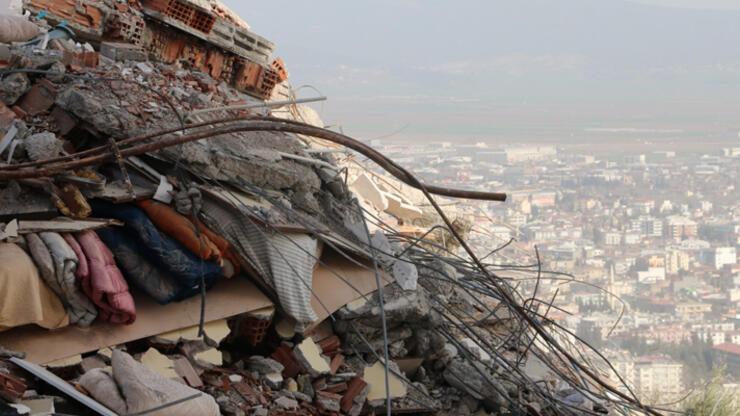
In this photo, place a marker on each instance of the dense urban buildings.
(652, 236)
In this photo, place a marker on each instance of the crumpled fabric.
(44, 263)
(292, 262)
(231, 261)
(16, 29)
(284, 263)
(189, 201)
(140, 270)
(165, 252)
(24, 298)
(131, 388)
(181, 229)
(100, 278)
(81, 310)
(244, 235)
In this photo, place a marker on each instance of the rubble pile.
(168, 246)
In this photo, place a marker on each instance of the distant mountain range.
(475, 66)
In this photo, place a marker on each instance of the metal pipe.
(266, 104)
(262, 124)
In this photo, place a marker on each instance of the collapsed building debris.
(189, 250)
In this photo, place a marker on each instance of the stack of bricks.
(125, 25)
(278, 65)
(270, 79)
(185, 13)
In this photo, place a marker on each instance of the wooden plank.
(339, 281)
(228, 298)
(64, 225)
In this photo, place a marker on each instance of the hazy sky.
(480, 68)
(483, 69)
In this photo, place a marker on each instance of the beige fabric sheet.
(24, 298)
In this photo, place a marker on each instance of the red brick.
(336, 362)
(328, 402)
(336, 388)
(11, 387)
(354, 387)
(284, 355)
(19, 112)
(64, 122)
(248, 76)
(330, 346)
(279, 66)
(6, 116)
(80, 60)
(39, 99)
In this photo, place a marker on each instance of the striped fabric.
(293, 257)
(285, 262)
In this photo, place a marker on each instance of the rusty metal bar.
(262, 124)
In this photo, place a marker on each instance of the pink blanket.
(101, 280)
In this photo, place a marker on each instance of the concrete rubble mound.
(175, 239)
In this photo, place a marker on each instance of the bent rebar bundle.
(533, 334)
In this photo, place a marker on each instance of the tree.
(714, 400)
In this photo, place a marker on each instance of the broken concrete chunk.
(309, 354)
(260, 411)
(473, 379)
(286, 403)
(159, 363)
(41, 146)
(263, 365)
(328, 402)
(122, 51)
(65, 123)
(406, 274)
(102, 115)
(4, 54)
(399, 209)
(476, 350)
(304, 385)
(13, 87)
(144, 68)
(273, 380)
(43, 406)
(369, 191)
(375, 377)
(382, 247)
(39, 98)
(210, 356)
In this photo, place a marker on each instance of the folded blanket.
(180, 229)
(100, 279)
(81, 310)
(44, 263)
(140, 270)
(165, 252)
